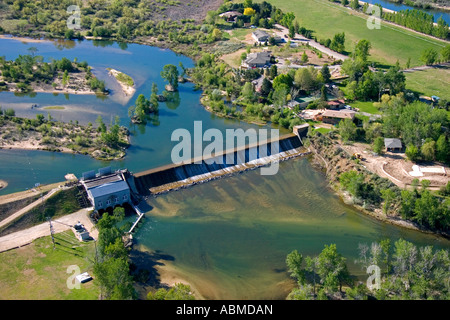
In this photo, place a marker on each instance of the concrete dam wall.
(175, 176)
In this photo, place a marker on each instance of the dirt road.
(24, 237)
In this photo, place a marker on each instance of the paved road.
(24, 237)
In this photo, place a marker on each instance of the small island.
(29, 73)
(46, 134)
(124, 80)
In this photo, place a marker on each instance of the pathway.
(22, 211)
(24, 237)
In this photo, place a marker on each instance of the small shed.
(393, 144)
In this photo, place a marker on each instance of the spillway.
(173, 176)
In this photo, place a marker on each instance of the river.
(228, 237)
(400, 6)
(151, 144)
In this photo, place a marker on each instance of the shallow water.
(229, 238)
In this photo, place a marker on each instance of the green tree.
(294, 261)
(429, 56)
(325, 72)
(378, 145)
(442, 149)
(347, 130)
(412, 152)
(170, 74)
(428, 150)
(332, 269)
(180, 291)
(304, 58)
(445, 53)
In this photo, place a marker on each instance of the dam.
(176, 176)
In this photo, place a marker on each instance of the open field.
(389, 44)
(430, 82)
(37, 271)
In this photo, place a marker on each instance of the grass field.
(389, 44)
(37, 272)
(366, 106)
(430, 82)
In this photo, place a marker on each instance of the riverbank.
(334, 161)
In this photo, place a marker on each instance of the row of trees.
(407, 272)
(420, 21)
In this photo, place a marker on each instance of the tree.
(428, 150)
(388, 196)
(180, 291)
(362, 49)
(325, 72)
(378, 145)
(170, 74)
(429, 56)
(282, 79)
(304, 58)
(291, 31)
(412, 152)
(332, 269)
(354, 4)
(247, 91)
(347, 130)
(338, 42)
(249, 11)
(111, 268)
(294, 262)
(442, 149)
(266, 87)
(445, 53)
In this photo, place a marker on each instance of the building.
(336, 104)
(258, 59)
(230, 16)
(260, 36)
(393, 144)
(106, 189)
(335, 116)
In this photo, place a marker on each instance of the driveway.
(303, 40)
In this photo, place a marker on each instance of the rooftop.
(342, 114)
(258, 57)
(108, 188)
(260, 33)
(392, 143)
(92, 183)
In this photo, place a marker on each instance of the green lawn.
(39, 272)
(389, 44)
(430, 82)
(366, 106)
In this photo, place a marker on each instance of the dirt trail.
(28, 193)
